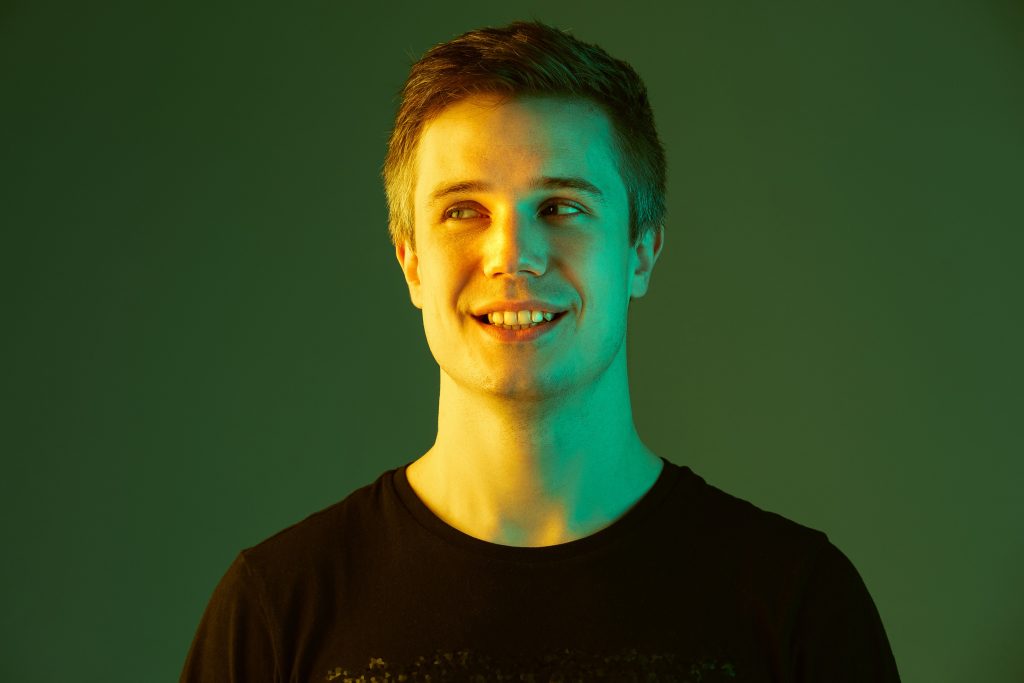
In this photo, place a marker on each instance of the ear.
(645, 255)
(410, 264)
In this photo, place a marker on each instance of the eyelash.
(579, 210)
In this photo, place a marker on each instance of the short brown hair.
(528, 58)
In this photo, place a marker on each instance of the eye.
(461, 213)
(558, 209)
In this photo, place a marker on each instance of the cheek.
(604, 280)
(440, 293)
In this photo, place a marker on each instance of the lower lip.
(524, 335)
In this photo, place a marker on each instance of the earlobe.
(648, 249)
(410, 265)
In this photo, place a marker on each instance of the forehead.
(508, 142)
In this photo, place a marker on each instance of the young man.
(539, 538)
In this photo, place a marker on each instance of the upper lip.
(528, 305)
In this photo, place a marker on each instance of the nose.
(514, 243)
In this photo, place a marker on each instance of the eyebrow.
(545, 183)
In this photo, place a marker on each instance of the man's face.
(520, 200)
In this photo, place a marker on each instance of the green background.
(206, 335)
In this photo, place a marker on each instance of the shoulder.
(755, 546)
(715, 511)
(323, 536)
(802, 588)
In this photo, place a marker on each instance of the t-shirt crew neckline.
(623, 527)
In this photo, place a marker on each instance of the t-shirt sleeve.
(838, 634)
(234, 641)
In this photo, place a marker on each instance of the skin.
(536, 443)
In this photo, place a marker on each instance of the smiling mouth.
(482, 319)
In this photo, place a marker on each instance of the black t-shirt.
(691, 584)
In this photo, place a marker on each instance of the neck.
(535, 472)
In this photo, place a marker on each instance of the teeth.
(519, 319)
